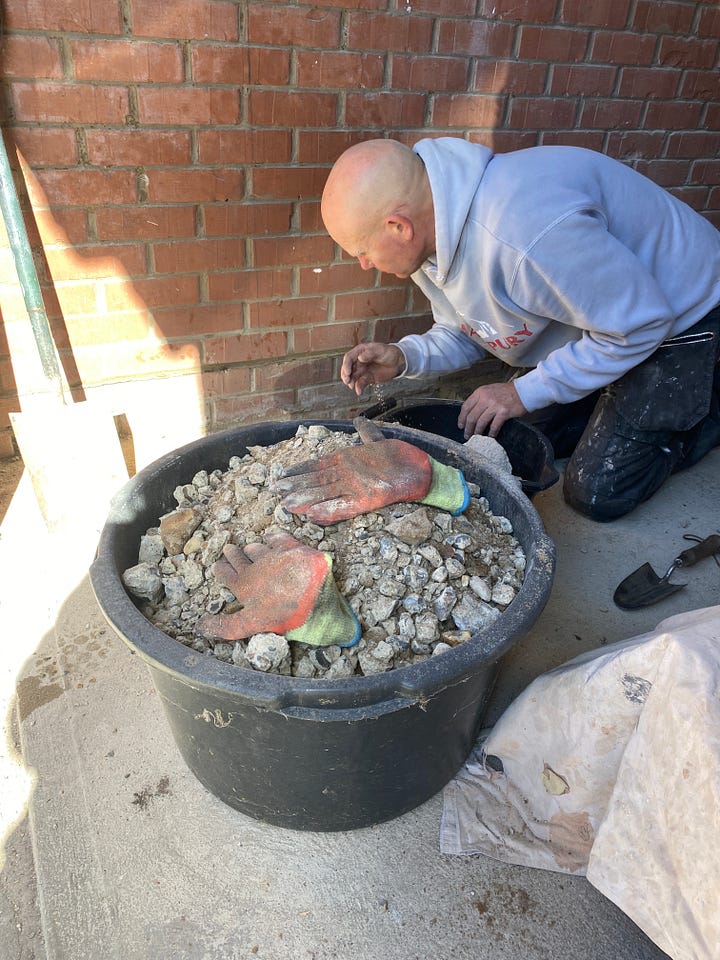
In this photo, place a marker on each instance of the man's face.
(392, 248)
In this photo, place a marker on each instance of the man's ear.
(401, 227)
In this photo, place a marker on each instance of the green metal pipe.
(25, 266)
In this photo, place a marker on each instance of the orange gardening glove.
(285, 587)
(374, 474)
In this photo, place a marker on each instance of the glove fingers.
(235, 555)
(227, 626)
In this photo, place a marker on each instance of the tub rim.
(411, 684)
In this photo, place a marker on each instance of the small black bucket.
(317, 754)
(529, 451)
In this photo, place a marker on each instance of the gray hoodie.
(556, 258)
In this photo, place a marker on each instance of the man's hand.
(488, 407)
(285, 587)
(371, 363)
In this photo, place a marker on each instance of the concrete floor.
(111, 848)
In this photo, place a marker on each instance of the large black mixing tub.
(317, 754)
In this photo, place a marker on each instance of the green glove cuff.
(448, 489)
(331, 620)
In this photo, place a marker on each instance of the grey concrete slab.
(135, 859)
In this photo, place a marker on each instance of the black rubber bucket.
(314, 754)
(529, 451)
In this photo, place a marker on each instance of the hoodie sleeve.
(444, 347)
(440, 350)
(578, 274)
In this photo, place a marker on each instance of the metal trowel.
(644, 587)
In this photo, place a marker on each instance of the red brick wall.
(175, 154)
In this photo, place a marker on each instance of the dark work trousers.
(660, 417)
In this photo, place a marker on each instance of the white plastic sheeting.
(609, 766)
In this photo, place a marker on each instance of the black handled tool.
(644, 587)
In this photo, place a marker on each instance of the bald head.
(371, 182)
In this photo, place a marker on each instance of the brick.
(694, 196)
(503, 141)
(708, 24)
(197, 256)
(286, 313)
(325, 146)
(287, 26)
(574, 138)
(509, 76)
(693, 144)
(138, 147)
(49, 102)
(246, 347)
(107, 327)
(522, 11)
(247, 219)
(712, 116)
(667, 173)
(713, 216)
(215, 63)
(369, 304)
(700, 85)
(280, 182)
(611, 114)
(32, 58)
(155, 292)
(554, 44)
(144, 222)
(586, 79)
(336, 277)
(443, 8)
(251, 409)
(185, 19)
(64, 225)
(80, 186)
(139, 359)
(387, 31)
(429, 73)
(291, 251)
(133, 61)
(223, 383)
(631, 145)
(340, 69)
(666, 17)
(198, 319)
(672, 115)
(706, 171)
(7, 445)
(542, 113)
(78, 297)
(97, 260)
(332, 397)
(468, 110)
(309, 219)
(293, 374)
(73, 16)
(391, 329)
(477, 38)
(714, 201)
(291, 108)
(183, 106)
(651, 82)
(621, 47)
(45, 146)
(687, 52)
(175, 185)
(599, 13)
(224, 147)
(385, 109)
(250, 284)
(329, 336)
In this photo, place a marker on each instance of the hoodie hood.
(455, 169)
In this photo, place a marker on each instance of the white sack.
(610, 767)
